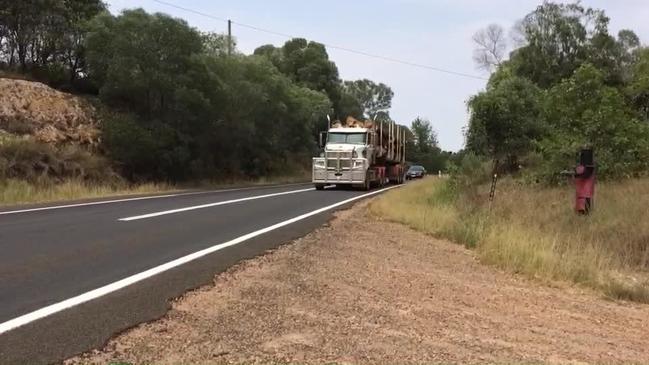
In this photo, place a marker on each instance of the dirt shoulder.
(365, 291)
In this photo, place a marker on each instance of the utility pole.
(229, 37)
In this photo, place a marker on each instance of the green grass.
(533, 231)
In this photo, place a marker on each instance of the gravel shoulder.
(361, 290)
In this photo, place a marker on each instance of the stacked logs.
(389, 139)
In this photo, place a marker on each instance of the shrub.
(25, 158)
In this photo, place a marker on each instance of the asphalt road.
(71, 277)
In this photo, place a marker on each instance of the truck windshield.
(353, 138)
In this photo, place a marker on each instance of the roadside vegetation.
(14, 191)
(567, 83)
(166, 103)
(20, 191)
(533, 231)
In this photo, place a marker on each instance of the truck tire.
(368, 184)
(319, 186)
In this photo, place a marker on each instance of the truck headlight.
(319, 164)
(358, 164)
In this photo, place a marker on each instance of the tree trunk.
(73, 63)
(22, 55)
(12, 55)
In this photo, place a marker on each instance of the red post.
(584, 182)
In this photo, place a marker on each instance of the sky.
(436, 33)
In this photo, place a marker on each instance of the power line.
(345, 49)
(190, 10)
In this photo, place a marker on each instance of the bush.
(471, 171)
(25, 158)
(583, 110)
(132, 147)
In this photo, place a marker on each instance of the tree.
(373, 97)
(627, 52)
(491, 46)
(138, 59)
(638, 89)
(198, 115)
(217, 44)
(268, 123)
(628, 40)
(46, 36)
(583, 110)
(421, 146)
(20, 20)
(77, 17)
(558, 40)
(306, 63)
(349, 106)
(505, 119)
(150, 65)
(569, 84)
(424, 137)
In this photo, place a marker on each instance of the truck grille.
(347, 155)
(339, 160)
(333, 163)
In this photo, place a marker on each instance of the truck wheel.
(368, 184)
(319, 186)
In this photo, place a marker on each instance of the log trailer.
(360, 154)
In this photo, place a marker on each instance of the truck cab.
(360, 156)
(345, 159)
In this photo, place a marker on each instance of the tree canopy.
(569, 84)
(422, 147)
(174, 104)
(307, 64)
(373, 97)
(46, 37)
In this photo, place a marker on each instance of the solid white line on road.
(202, 206)
(138, 198)
(110, 288)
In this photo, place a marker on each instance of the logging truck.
(361, 154)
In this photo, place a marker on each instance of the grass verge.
(16, 191)
(533, 231)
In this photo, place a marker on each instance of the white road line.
(202, 206)
(138, 198)
(110, 288)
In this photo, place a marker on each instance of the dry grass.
(14, 192)
(19, 191)
(534, 231)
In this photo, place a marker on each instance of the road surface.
(73, 275)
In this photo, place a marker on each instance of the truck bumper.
(355, 177)
(351, 171)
